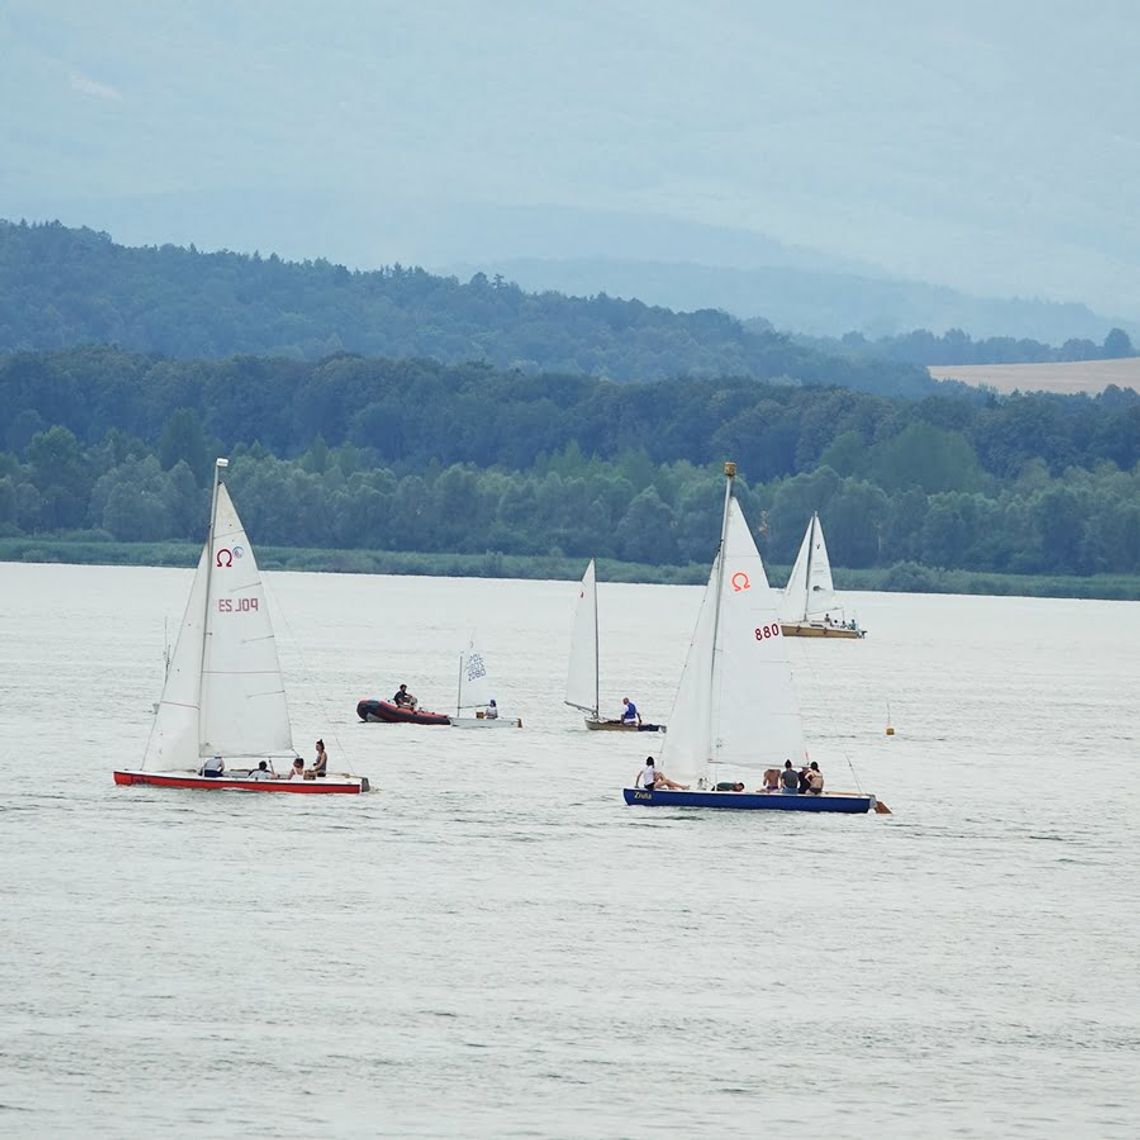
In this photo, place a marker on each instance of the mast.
(807, 575)
(219, 465)
(597, 667)
(459, 686)
(729, 475)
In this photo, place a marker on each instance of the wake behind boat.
(810, 606)
(582, 684)
(735, 704)
(223, 721)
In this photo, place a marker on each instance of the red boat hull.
(387, 713)
(321, 787)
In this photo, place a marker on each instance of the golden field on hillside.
(1077, 376)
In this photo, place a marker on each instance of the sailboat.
(474, 693)
(582, 687)
(223, 708)
(735, 704)
(810, 606)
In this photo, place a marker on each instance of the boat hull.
(816, 629)
(486, 722)
(384, 712)
(846, 803)
(621, 726)
(323, 786)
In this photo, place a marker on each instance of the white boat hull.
(485, 722)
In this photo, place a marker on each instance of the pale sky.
(993, 147)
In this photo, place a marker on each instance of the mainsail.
(810, 592)
(474, 683)
(735, 703)
(582, 676)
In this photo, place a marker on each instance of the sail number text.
(766, 631)
(236, 605)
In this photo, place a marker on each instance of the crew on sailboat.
(403, 699)
(321, 761)
(629, 715)
(789, 780)
(492, 710)
(650, 778)
(297, 772)
(215, 767)
(263, 772)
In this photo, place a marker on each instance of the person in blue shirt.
(630, 715)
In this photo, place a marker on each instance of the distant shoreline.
(907, 577)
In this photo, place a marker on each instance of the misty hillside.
(63, 287)
(816, 300)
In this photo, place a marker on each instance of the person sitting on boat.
(789, 780)
(650, 778)
(215, 766)
(728, 786)
(771, 780)
(321, 761)
(263, 771)
(815, 779)
(629, 715)
(298, 770)
(403, 699)
(492, 710)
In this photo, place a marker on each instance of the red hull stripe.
(323, 787)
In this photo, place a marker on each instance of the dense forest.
(956, 347)
(416, 455)
(66, 287)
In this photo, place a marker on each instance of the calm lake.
(492, 944)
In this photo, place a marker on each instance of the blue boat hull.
(748, 801)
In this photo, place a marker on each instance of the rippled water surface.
(494, 945)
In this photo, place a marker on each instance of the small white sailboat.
(582, 684)
(474, 694)
(810, 606)
(735, 705)
(223, 710)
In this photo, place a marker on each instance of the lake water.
(494, 945)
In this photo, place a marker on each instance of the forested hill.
(61, 287)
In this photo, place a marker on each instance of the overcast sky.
(990, 146)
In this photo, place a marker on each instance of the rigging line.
(306, 668)
(805, 657)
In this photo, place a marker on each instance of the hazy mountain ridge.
(798, 299)
(64, 287)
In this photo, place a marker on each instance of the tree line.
(956, 347)
(413, 455)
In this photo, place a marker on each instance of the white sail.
(474, 683)
(582, 677)
(685, 753)
(173, 739)
(243, 710)
(735, 704)
(810, 592)
(755, 716)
